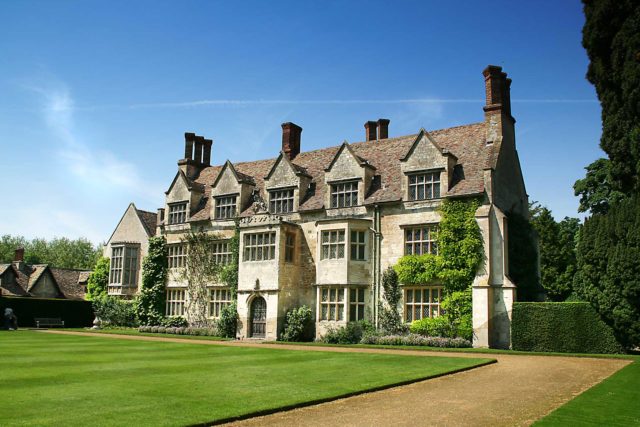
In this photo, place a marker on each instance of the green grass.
(69, 380)
(614, 402)
(135, 332)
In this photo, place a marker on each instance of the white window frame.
(226, 206)
(415, 305)
(116, 265)
(344, 194)
(177, 213)
(176, 255)
(219, 298)
(332, 244)
(332, 303)
(421, 239)
(175, 302)
(424, 185)
(221, 252)
(259, 246)
(281, 200)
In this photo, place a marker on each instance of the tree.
(523, 257)
(98, 280)
(557, 246)
(58, 252)
(609, 268)
(150, 302)
(595, 190)
(612, 40)
(390, 320)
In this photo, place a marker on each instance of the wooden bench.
(48, 321)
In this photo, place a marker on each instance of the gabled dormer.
(348, 178)
(285, 185)
(183, 195)
(231, 192)
(427, 169)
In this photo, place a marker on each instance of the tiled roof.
(70, 282)
(36, 272)
(13, 288)
(149, 221)
(466, 143)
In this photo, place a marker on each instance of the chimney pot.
(291, 133)
(206, 153)
(371, 130)
(383, 128)
(19, 255)
(188, 145)
(197, 156)
(497, 90)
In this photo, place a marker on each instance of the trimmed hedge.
(565, 327)
(76, 314)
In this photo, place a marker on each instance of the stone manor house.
(319, 227)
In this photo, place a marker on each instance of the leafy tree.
(557, 245)
(98, 280)
(523, 257)
(150, 301)
(114, 311)
(298, 325)
(612, 40)
(390, 320)
(58, 252)
(595, 189)
(609, 268)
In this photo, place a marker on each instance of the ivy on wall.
(150, 302)
(460, 250)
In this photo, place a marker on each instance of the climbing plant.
(229, 273)
(460, 250)
(98, 280)
(149, 304)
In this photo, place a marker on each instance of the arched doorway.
(258, 317)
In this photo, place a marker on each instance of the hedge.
(76, 314)
(566, 327)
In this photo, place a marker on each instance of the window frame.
(176, 300)
(290, 247)
(225, 206)
(221, 252)
(357, 304)
(218, 299)
(339, 191)
(181, 214)
(415, 309)
(360, 246)
(430, 183)
(336, 300)
(431, 240)
(254, 246)
(176, 255)
(116, 265)
(338, 244)
(281, 200)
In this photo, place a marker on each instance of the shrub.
(458, 310)
(431, 327)
(416, 340)
(389, 319)
(149, 303)
(75, 314)
(114, 311)
(98, 280)
(570, 327)
(351, 333)
(175, 321)
(298, 325)
(227, 324)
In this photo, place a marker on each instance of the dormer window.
(281, 201)
(424, 186)
(178, 213)
(344, 194)
(226, 207)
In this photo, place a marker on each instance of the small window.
(218, 299)
(176, 256)
(225, 207)
(260, 246)
(281, 201)
(177, 213)
(221, 253)
(332, 304)
(175, 302)
(356, 305)
(421, 303)
(358, 245)
(289, 247)
(344, 194)
(332, 244)
(424, 186)
(421, 240)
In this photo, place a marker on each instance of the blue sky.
(96, 96)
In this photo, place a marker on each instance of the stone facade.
(319, 227)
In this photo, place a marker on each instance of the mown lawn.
(613, 402)
(77, 380)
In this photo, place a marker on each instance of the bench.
(48, 321)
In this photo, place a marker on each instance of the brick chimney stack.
(197, 154)
(19, 255)
(206, 153)
(371, 130)
(497, 109)
(291, 133)
(383, 128)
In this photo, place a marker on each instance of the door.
(258, 317)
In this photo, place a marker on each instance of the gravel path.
(515, 391)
